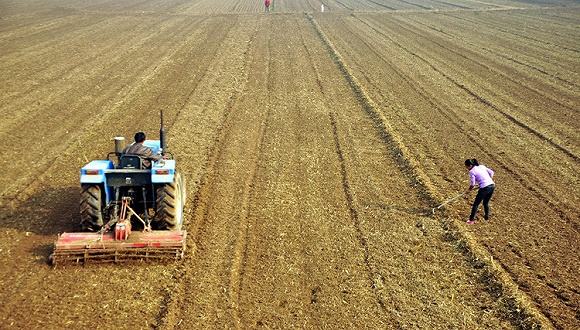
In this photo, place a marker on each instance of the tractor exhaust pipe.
(119, 145)
(162, 140)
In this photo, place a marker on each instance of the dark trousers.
(483, 195)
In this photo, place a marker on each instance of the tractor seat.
(131, 162)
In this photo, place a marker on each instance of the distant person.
(482, 177)
(267, 5)
(138, 149)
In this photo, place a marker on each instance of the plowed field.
(314, 146)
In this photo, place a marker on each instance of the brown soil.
(314, 148)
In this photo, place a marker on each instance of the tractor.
(130, 208)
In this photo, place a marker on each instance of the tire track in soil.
(22, 112)
(239, 268)
(294, 253)
(343, 5)
(63, 147)
(369, 189)
(172, 314)
(39, 180)
(42, 45)
(403, 162)
(456, 121)
(483, 100)
(381, 4)
(146, 117)
(245, 230)
(11, 68)
(376, 280)
(210, 195)
(241, 249)
(520, 307)
(415, 5)
(167, 297)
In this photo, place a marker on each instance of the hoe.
(128, 211)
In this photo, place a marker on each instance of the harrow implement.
(100, 248)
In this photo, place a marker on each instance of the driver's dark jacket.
(142, 151)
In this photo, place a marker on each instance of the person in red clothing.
(482, 177)
(267, 4)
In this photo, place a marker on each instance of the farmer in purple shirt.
(481, 176)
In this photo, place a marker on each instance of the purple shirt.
(481, 176)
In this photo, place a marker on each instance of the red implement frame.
(95, 247)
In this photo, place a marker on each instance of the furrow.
(490, 104)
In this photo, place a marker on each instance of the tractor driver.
(138, 149)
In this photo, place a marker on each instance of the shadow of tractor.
(43, 216)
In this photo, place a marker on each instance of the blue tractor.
(125, 192)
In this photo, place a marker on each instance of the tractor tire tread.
(90, 207)
(167, 201)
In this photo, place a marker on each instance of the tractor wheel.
(91, 207)
(170, 198)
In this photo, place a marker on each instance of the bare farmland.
(314, 146)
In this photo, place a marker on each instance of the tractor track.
(170, 311)
(53, 96)
(540, 30)
(54, 225)
(374, 277)
(348, 135)
(172, 314)
(452, 4)
(415, 5)
(245, 233)
(487, 67)
(343, 4)
(521, 305)
(57, 32)
(382, 5)
(86, 111)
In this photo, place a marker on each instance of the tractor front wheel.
(170, 200)
(91, 207)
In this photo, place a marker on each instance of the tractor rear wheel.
(170, 200)
(91, 207)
